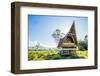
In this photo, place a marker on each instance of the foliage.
(57, 35)
(83, 44)
(53, 55)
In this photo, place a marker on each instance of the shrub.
(82, 45)
(56, 56)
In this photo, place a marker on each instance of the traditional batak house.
(68, 43)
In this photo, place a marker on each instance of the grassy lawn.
(53, 55)
(82, 54)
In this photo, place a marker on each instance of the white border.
(25, 64)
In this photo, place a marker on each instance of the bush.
(56, 56)
(52, 55)
(82, 45)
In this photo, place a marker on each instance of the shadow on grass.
(58, 56)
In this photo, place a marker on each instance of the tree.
(86, 38)
(57, 35)
(83, 44)
(86, 42)
(37, 46)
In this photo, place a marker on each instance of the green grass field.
(54, 55)
(82, 54)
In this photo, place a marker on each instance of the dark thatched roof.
(72, 35)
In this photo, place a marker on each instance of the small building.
(68, 43)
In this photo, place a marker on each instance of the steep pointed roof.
(71, 33)
(72, 29)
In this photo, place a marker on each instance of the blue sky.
(41, 28)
